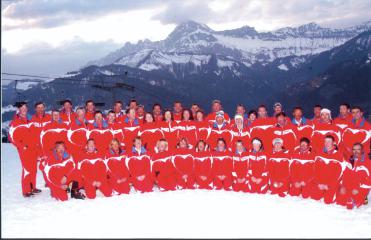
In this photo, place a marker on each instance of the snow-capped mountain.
(194, 43)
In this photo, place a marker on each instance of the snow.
(9, 108)
(25, 85)
(106, 72)
(283, 67)
(178, 214)
(224, 63)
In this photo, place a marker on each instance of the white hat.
(219, 114)
(277, 140)
(277, 104)
(326, 110)
(238, 116)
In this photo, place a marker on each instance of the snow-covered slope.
(179, 214)
(245, 45)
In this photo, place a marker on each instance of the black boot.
(77, 195)
(29, 194)
(36, 190)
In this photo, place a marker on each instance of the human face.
(40, 109)
(59, 149)
(200, 116)
(343, 110)
(329, 144)
(304, 146)
(117, 107)
(317, 112)
(357, 114)
(138, 143)
(177, 107)
(162, 146)
(357, 151)
(183, 144)
(90, 107)
(221, 146)
(262, 112)
(239, 147)
(256, 147)
(194, 109)
(115, 146)
(67, 107)
(133, 105)
(23, 110)
(325, 117)
(252, 117)
(131, 114)
(90, 146)
(201, 146)
(148, 118)
(80, 114)
(167, 116)
(277, 109)
(98, 117)
(281, 120)
(55, 116)
(216, 107)
(239, 122)
(140, 111)
(157, 110)
(240, 110)
(111, 117)
(219, 120)
(278, 146)
(297, 114)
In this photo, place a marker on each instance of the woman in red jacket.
(163, 168)
(203, 166)
(203, 127)
(139, 164)
(94, 171)
(258, 165)
(183, 161)
(187, 128)
(240, 167)
(222, 166)
(150, 132)
(100, 132)
(118, 173)
(170, 129)
(77, 134)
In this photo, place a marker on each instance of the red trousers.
(95, 173)
(54, 177)
(119, 177)
(261, 187)
(185, 180)
(143, 185)
(225, 183)
(240, 185)
(29, 168)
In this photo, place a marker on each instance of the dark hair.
(358, 107)
(67, 100)
(118, 101)
(330, 137)
(297, 108)
(346, 105)
(252, 112)
(280, 114)
(222, 140)
(39, 103)
(304, 139)
(90, 140)
(176, 101)
(111, 111)
(55, 110)
(89, 101)
(133, 100)
(59, 143)
(195, 104)
(240, 105)
(190, 114)
(262, 106)
(156, 104)
(317, 106)
(98, 112)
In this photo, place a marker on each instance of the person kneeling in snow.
(60, 171)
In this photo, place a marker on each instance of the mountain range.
(301, 65)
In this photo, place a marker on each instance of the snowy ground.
(170, 214)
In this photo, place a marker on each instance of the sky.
(52, 37)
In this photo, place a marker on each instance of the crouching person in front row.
(94, 171)
(59, 171)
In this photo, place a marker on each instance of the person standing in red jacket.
(279, 168)
(187, 128)
(194, 109)
(356, 181)
(177, 111)
(261, 128)
(216, 106)
(258, 173)
(130, 126)
(301, 169)
(39, 120)
(59, 171)
(20, 136)
(139, 163)
(240, 131)
(358, 131)
(94, 171)
(89, 111)
(240, 167)
(303, 127)
(100, 132)
(203, 166)
(316, 113)
(140, 114)
(119, 113)
(157, 112)
(284, 130)
(170, 129)
(117, 171)
(220, 128)
(150, 132)
(183, 162)
(203, 127)
(116, 128)
(54, 131)
(67, 114)
(77, 134)
(328, 168)
(163, 168)
(222, 166)
(322, 128)
(344, 118)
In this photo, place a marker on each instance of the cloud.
(43, 59)
(53, 13)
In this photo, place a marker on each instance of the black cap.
(19, 104)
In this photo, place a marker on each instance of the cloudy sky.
(51, 37)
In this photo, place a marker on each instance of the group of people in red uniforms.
(118, 151)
